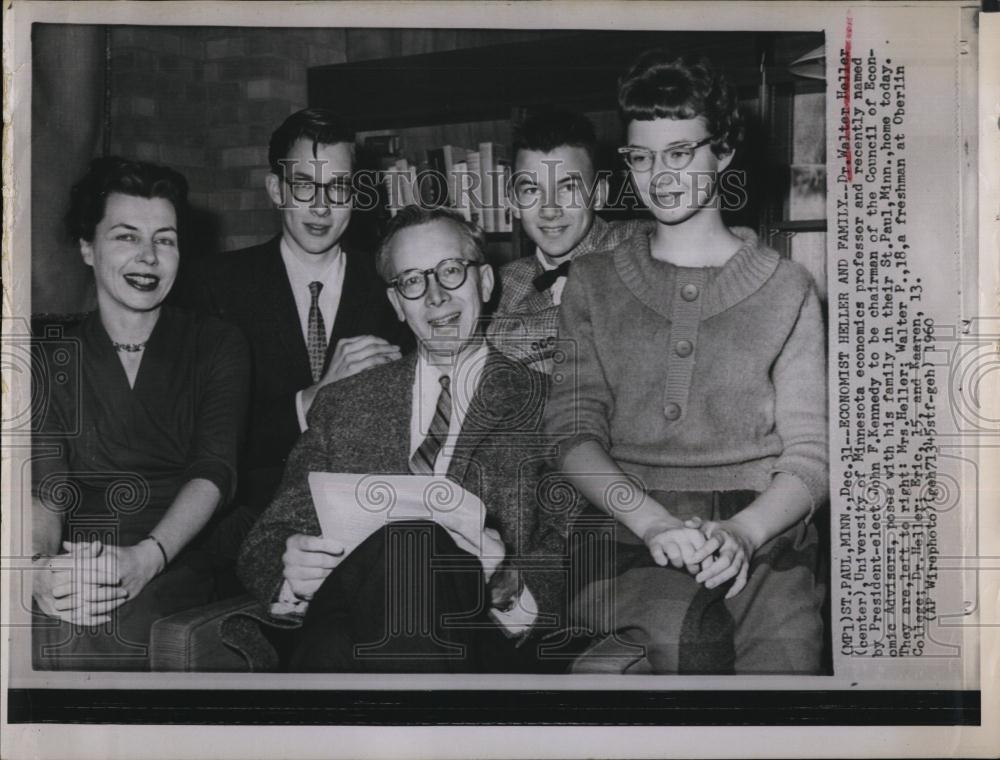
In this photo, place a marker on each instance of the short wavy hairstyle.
(543, 130)
(474, 248)
(114, 174)
(320, 126)
(659, 85)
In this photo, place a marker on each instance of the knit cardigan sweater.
(695, 379)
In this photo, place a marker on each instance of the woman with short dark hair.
(139, 412)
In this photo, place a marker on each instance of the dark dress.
(113, 458)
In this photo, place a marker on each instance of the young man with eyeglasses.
(311, 306)
(555, 191)
(456, 409)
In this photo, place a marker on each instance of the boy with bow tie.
(555, 192)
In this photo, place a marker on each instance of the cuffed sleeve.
(300, 412)
(521, 616)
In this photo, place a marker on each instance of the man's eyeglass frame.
(465, 263)
(334, 184)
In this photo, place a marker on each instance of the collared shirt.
(300, 274)
(299, 277)
(465, 376)
(557, 287)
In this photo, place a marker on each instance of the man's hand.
(725, 554)
(308, 560)
(71, 587)
(351, 356)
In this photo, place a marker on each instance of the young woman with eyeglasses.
(694, 409)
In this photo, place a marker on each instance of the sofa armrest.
(193, 640)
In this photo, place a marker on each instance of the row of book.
(473, 182)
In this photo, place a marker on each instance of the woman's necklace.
(132, 348)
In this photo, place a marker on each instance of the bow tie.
(548, 278)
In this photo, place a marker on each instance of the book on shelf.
(399, 179)
(443, 160)
(432, 187)
(383, 145)
(463, 181)
(435, 160)
(473, 182)
(505, 221)
(474, 185)
(491, 177)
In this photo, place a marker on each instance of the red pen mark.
(847, 99)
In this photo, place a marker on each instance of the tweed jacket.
(250, 288)
(362, 425)
(526, 321)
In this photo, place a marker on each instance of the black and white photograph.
(560, 365)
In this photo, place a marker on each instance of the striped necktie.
(316, 332)
(422, 461)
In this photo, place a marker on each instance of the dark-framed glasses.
(450, 274)
(337, 191)
(676, 156)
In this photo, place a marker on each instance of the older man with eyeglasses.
(408, 599)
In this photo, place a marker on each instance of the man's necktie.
(548, 278)
(316, 342)
(422, 461)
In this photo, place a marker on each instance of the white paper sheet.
(351, 507)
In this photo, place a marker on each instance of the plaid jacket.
(526, 322)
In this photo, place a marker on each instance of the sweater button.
(689, 292)
(672, 411)
(683, 348)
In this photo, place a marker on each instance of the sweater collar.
(653, 282)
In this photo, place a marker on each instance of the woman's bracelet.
(163, 551)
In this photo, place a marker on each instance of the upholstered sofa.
(225, 636)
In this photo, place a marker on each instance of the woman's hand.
(308, 560)
(676, 545)
(130, 567)
(71, 588)
(725, 554)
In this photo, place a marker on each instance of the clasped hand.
(92, 579)
(713, 552)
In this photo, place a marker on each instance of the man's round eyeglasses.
(450, 274)
(676, 156)
(337, 191)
